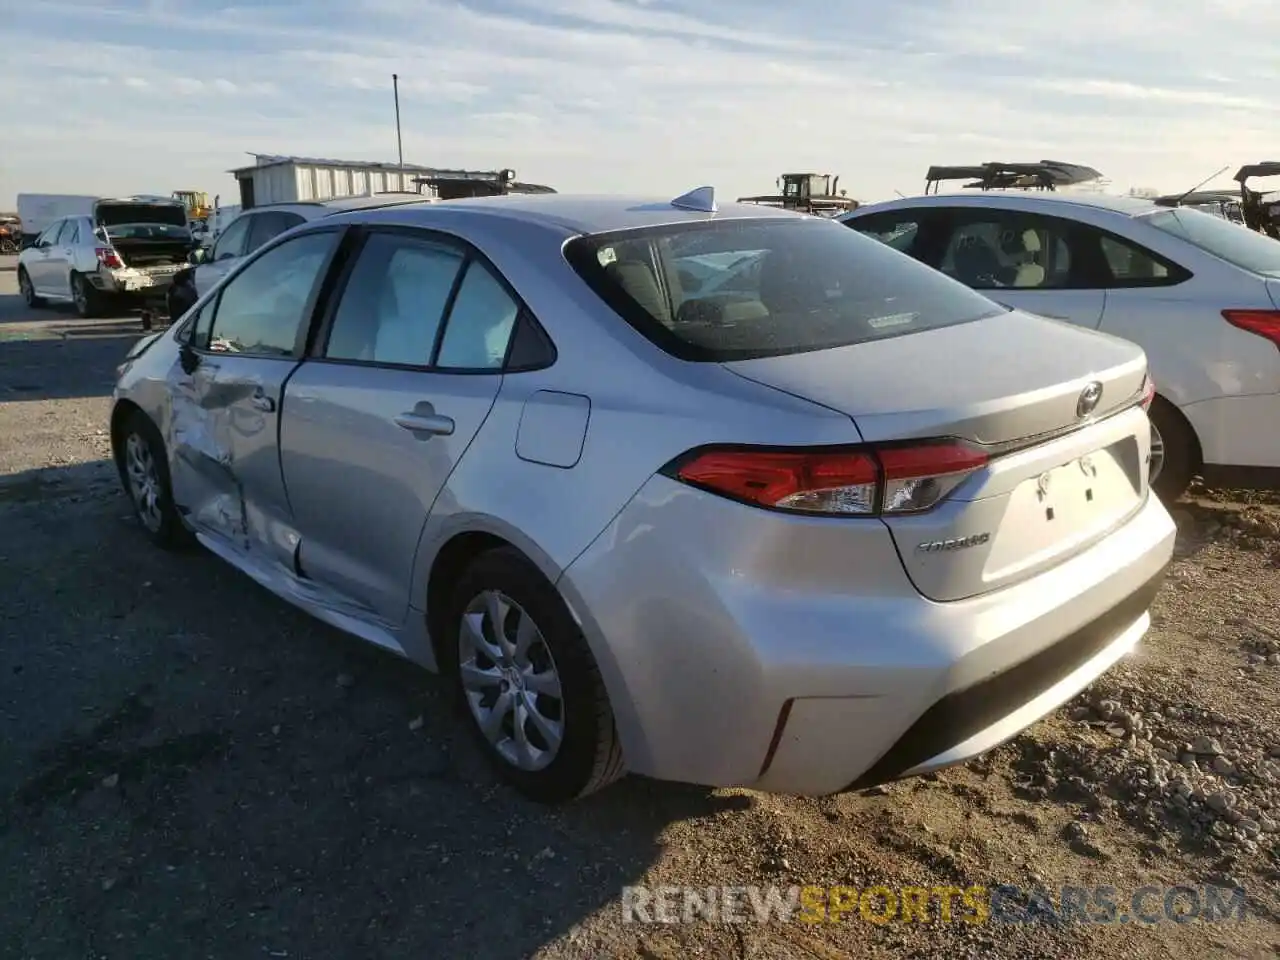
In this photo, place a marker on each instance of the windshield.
(738, 289)
(1229, 241)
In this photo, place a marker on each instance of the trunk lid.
(152, 235)
(1058, 480)
(1273, 288)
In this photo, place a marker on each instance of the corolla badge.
(1089, 398)
(956, 543)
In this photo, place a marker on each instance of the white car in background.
(1199, 294)
(128, 248)
(255, 227)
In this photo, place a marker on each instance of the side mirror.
(188, 359)
(198, 256)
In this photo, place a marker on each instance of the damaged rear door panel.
(227, 390)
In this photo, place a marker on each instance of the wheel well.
(1171, 408)
(454, 557)
(120, 414)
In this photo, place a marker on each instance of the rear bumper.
(132, 283)
(745, 648)
(968, 722)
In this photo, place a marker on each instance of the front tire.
(1174, 451)
(531, 688)
(144, 471)
(28, 290)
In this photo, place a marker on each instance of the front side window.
(394, 301)
(50, 234)
(1236, 244)
(268, 226)
(263, 309)
(767, 287)
(1002, 251)
(232, 242)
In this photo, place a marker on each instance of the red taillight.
(109, 258)
(1265, 323)
(860, 481)
(1148, 392)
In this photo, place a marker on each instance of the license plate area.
(1067, 507)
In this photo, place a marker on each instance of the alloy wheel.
(510, 681)
(28, 291)
(144, 481)
(80, 295)
(1157, 455)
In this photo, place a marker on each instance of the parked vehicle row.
(1199, 294)
(728, 495)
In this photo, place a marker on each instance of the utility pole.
(395, 86)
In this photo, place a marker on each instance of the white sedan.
(1199, 294)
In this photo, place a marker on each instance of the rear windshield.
(143, 221)
(1230, 241)
(738, 289)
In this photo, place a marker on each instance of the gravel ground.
(190, 768)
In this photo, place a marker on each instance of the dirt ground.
(190, 768)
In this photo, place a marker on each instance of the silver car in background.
(734, 497)
(126, 249)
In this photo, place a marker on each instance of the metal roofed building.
(281, 179)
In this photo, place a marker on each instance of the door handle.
(262, 402)
(431, 423)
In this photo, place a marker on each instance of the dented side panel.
(204, 486)
(224, 434)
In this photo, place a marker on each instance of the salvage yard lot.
(190, 768)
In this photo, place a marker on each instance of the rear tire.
(87, 300)
(28, 290)
(586, 756)
(144, 471)
(1171, 472)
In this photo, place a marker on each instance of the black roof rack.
(1041, 175)
(1196, 197)
(1267, 168)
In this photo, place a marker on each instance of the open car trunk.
(145, 234)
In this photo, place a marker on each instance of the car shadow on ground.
(77, 364)
(187, 758)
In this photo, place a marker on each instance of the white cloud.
(624, 95)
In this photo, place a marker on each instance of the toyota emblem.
(1089, 398)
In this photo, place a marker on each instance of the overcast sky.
(148, 96)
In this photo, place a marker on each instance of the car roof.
(1124, 206)
(582, 214)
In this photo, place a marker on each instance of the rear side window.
(480, 323)
(1228, 241)
(897, 230)
(1130, 265)
(1007, 251)
(737, 289)
(394, 301)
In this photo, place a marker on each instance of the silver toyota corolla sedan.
(731, 496)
